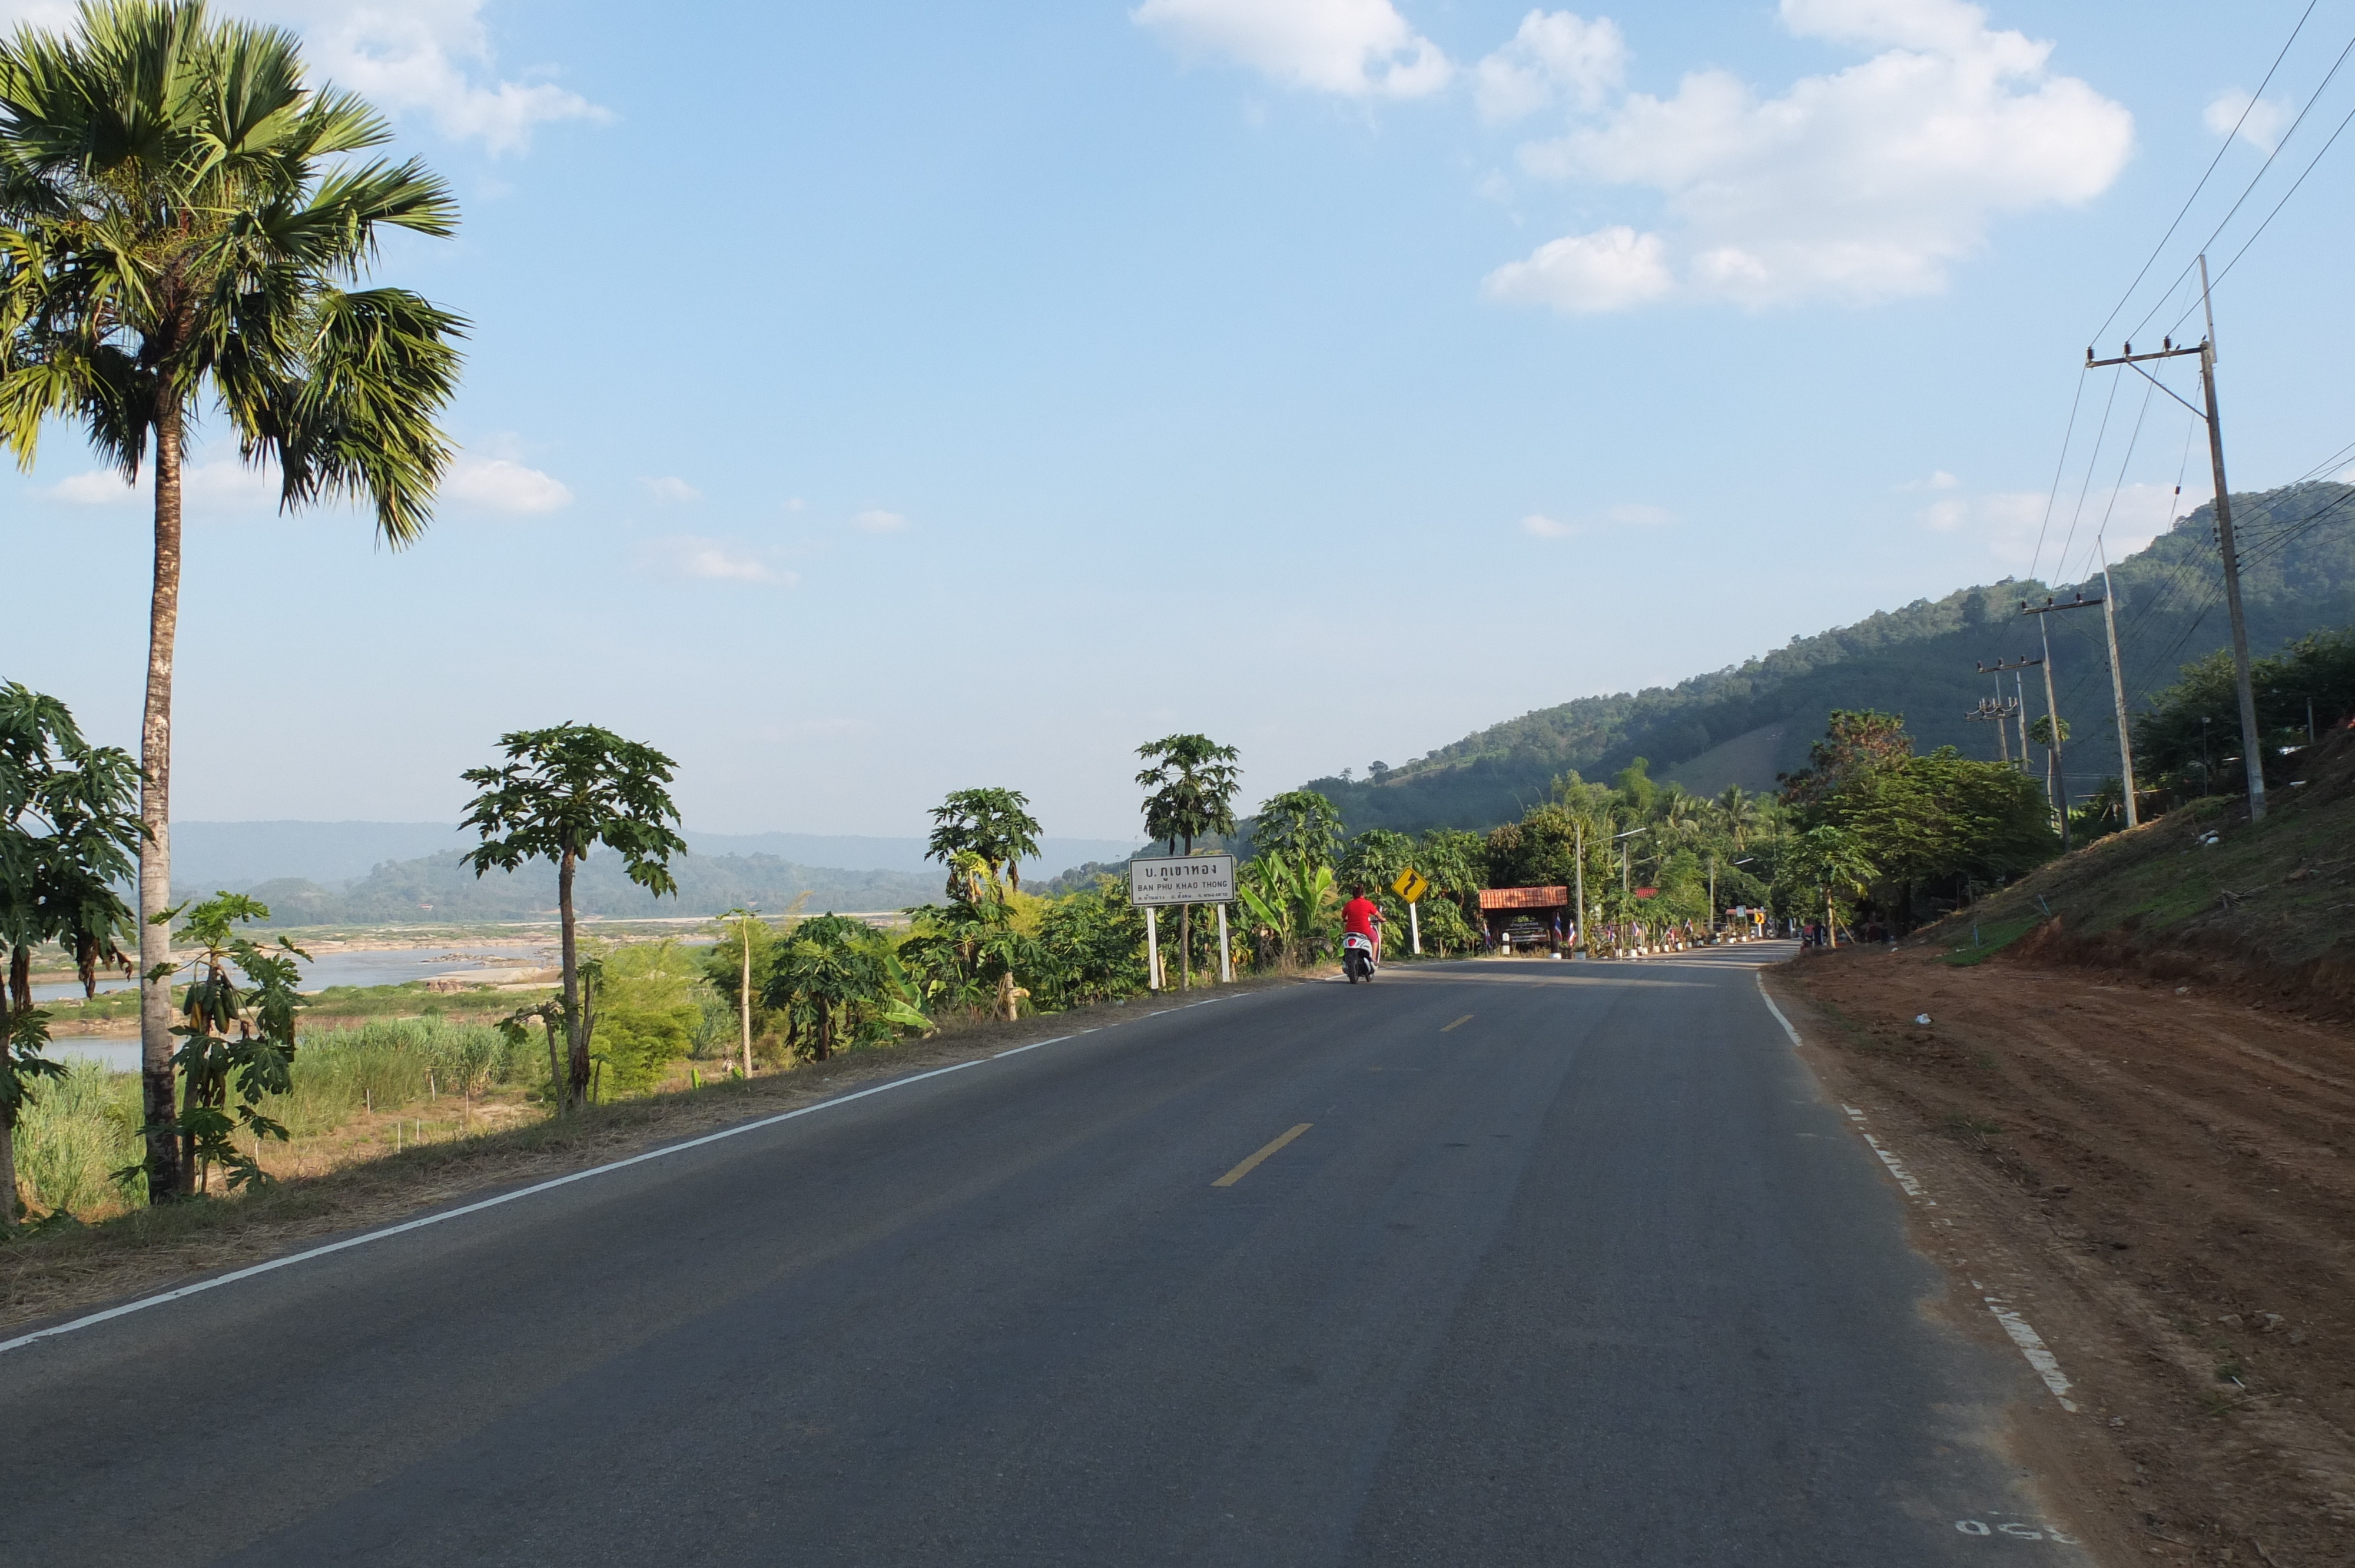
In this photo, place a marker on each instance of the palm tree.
(1193, 779)
(1738, 811)
(182, 214)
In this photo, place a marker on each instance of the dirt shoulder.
(2162, 1182)
(55, 1273)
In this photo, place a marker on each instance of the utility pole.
(2118, 687)
(2055, 752)
(1999, 708)
(2252, 742)
(2019, 704)
(1581, 937)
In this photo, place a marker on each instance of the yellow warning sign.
(1411, 885)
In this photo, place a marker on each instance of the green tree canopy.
(1300, 825)
(1192, 783)
(995, 824)
(562, 792)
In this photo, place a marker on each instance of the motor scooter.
(1357, 958)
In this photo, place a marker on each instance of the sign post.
(1412, 885)
(1183, 879)
(1152, 948)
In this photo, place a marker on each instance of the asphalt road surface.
(1562, 1264)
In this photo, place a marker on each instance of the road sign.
(1183, 879)
(1411, 885)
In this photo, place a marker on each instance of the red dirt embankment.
(2168, 1176)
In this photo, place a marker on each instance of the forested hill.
(1748, 722)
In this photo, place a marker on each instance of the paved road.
(1572, 1265)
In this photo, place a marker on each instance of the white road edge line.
(1905, 1177)
(363, 1239)
(2032, 1346)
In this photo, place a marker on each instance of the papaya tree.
(1193, 780)
(560, 793)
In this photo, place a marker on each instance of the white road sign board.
(1185, 879)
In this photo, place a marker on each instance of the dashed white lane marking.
(231, 1278)
(2032, 1347)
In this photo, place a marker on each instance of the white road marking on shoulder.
(1768, 997)
(1905, 1177)
(2032, 1346)
(92, 1319)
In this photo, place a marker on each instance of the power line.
(2252, 239)
(2253, 180)
(2053, 496)
(2255, 99)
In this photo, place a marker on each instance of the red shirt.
(1360, 916)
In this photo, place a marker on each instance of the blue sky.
(866, 402)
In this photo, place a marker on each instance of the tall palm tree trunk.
(576, 1035)
(165, 1172)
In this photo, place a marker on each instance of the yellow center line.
(1465, 1019)
(1245, 1169)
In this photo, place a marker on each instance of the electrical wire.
(2037, 563)
(2255, 99)
(2253, 181)
(2252, 239)
(2061, 467)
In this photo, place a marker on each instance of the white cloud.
(1356, 48)
(714, 560)
(223, 485)
(502, 484)
(1556, 55)
(1858, 187)
(672, 490)
(2010, 522)
(1607, 271)
(1633, 516)
(880, 522)
(432, 56)
(2259, 121)
(1941, 480)
(98, 487)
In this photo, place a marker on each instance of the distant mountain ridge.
(206, 856)
(443, 887)
(1747, 722)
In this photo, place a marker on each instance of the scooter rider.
(1361, 917)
